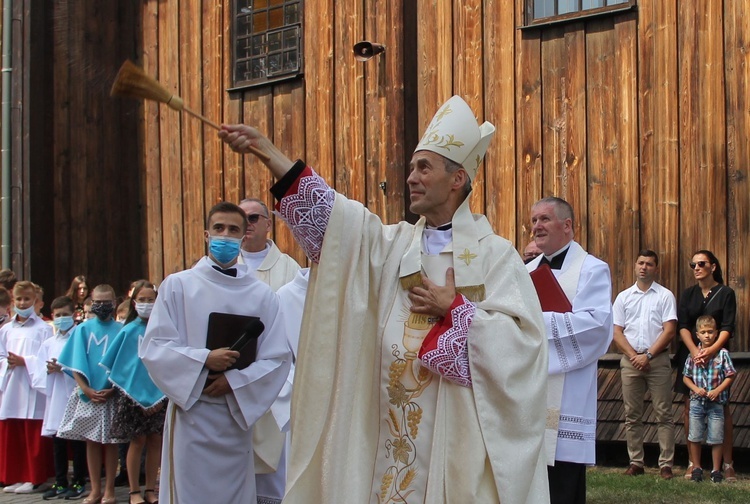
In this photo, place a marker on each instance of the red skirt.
(25, 455)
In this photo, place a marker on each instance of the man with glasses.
(276, 269)
(645, 319)
(576, 341)
(260, 253)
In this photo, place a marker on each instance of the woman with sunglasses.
(709, 296)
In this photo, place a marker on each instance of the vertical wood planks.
(258, 111)
(659, 160)
(79, 164)
(637, 121)
(63, 181)
(564, 120)
(289, 136)
(349, 108)
(170, 139)
(213, 63)
(376, 146)
(623, 242)
(702, 132)
(319, 90)
(468, 77)
(528, 129)
(434, 58)
(499, 72)
(232, 176)
(192, 138)
(392, 79)
(603, 147)
(151, 150)
(737, 73)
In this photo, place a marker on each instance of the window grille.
(549, 11)
(267, 41)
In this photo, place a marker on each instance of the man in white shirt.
(576, 341)
(645, 320)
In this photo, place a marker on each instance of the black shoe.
(716, 476)
(75, 492)
(122, 479)
(56, 492)
(697, 475)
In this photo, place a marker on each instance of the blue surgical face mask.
(224, 249)
(63, 323)
(24, 312)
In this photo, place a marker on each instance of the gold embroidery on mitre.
(413, 280)
(433, 138)
(467, 256)
(443, 112)
(474, 293)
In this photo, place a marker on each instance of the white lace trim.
(307, 212)
(451, 357)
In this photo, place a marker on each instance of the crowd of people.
(411, 363)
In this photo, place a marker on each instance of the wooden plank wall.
(92, 223)
(650, 106)
(333, 119)
(639, 119)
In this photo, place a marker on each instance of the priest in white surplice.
(422, 357)
(260, 253)
(207, 454)
(576, 339)
(276, 269)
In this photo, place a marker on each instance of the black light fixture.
(365, 50)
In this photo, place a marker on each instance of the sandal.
(729, 475)
(138, 493)
(689, 471)
(109, 500)
(92, 500)
(149, 490)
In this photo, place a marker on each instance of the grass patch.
(610, 486)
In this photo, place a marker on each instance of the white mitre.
(453, 133)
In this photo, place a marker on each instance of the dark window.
(266, 41)
(550, 11)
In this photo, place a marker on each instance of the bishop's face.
(431, 188)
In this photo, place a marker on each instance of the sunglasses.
(253, 218)
(700, 264)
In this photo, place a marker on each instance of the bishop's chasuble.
(370, 422)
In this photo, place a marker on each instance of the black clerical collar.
(444, 227)
(556, 260)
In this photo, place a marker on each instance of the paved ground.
(6, 498)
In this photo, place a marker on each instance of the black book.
(236, 332)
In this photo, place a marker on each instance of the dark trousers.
(567, 483)
(80, 470)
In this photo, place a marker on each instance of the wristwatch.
(648, 355)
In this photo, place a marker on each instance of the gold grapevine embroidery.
(404, 414)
